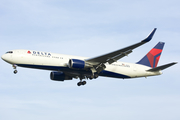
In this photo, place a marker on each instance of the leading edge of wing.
(118, 54)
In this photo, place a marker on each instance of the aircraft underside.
(73, 73)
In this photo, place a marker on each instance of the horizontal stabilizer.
(161, 67)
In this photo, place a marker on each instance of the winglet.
(149, 36)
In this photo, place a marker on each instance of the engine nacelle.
(77, 64)
(59, 76)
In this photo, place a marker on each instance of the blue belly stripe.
(112, 74)
(58, 68)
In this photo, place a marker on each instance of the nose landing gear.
(14, 67)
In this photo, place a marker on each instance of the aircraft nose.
(3, 57)
(6, 58)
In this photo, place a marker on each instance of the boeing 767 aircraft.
(67, 67)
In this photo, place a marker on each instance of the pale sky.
(89, 28)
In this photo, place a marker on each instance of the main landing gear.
(86, 77)
(14, 67)
(81, 83)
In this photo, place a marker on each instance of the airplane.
(67, 67)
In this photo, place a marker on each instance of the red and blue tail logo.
(152, 58)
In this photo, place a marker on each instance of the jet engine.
(77, 64)
(59, 76)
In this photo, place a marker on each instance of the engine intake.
(59, 76)
(77, 64)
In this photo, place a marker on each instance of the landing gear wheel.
(79, 84)
(14, 67)
(91, 77)
(83, 83)
(15, 71)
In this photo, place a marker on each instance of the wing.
(118, 54)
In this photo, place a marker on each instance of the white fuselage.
(59, 62)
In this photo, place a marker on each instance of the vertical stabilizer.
(152, 58)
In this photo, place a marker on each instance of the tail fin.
(152, 58)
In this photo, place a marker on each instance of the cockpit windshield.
(9, 52)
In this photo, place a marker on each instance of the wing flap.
(117, 57)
